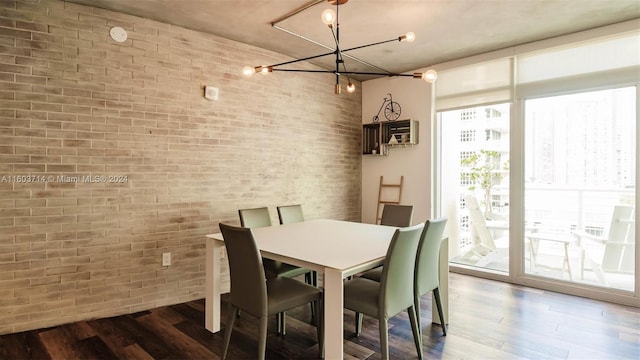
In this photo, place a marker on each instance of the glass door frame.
(517, 272)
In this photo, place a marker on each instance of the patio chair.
(486, 247)
(613, 253)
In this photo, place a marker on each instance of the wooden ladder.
(393, 187)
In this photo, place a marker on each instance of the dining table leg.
(333, 314)
(213, 287)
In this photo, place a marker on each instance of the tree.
(485, 171)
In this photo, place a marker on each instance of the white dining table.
(336, 249)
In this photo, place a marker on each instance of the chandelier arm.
(304, 59)
(363, 62)
(367, 45)
(346, 72)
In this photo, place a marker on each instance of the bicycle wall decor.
(392, 109)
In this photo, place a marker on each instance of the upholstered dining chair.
(394, 292)
(289, 214)
(254, 293)
(426, 274)
(396, 215)
(259, 217)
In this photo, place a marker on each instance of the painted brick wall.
(165, 164)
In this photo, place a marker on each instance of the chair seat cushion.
(285, 293)
(274, 268)
(361, 295)
(373, 274)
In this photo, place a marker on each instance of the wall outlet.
(166, 259)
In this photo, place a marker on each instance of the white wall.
(414, 162)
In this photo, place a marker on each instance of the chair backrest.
(619, 251)
(478, 222)
(396, 286)
(290, 214)
(428, 259)
(248, 283)
(254, 218)
(396, 215)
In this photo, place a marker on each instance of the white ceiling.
(445, 29)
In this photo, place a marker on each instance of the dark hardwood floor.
(489, 320)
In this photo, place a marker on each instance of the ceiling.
(445, 29)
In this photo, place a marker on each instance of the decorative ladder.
(397, 188)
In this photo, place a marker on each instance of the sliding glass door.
(536, 164)
(580, 176)
(475, 184)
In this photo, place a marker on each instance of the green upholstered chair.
(257, 295)
(394, 292)
(427, 273)
(259, 217)
(426, 276)
(289, 214)
(396, 215)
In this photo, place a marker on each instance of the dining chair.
(259, 217)
(288, 214)
(396, 215)
(426, 277)
(254, 293)
(394, 293)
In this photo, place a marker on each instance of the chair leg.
(320, 326)
(436, 293)
(416, 306)
(358, 323)
(231, 318)
(262, 340)
(384, 337)
(309, 279)
(283, 323)
(415, 328)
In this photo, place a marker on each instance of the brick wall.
(165, 164)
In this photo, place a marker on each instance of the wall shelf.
(377, 137)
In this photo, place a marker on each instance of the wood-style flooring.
(489, 320)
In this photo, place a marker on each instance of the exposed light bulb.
(264, 69)
(408, 37)
(248, 70)
(350, 87)
(328, 17)
(430, 76)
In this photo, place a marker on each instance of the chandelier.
(330, 18)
